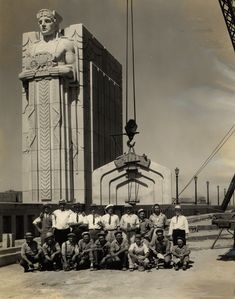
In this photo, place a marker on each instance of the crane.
(227, 220)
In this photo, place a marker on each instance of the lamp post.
(218, 195)
(208, 192)
(195, 181)
(177, 184)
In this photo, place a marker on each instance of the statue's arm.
(70, 52)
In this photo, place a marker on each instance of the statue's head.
(48, 21)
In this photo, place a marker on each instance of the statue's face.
(47, 26)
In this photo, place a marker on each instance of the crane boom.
(228, 10)
(228, 194)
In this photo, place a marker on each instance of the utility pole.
(208, 192)
(218, 194)
(195, 181)
(177, 184)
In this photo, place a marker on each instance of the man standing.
(86, 252)
(129, 223)
(160, 249)
(118, 252)
(43, 223)
(110, 222)
(52, 253)
(157, 218)
(70, 251)
(78, 221)
(180, 254)
(60, 222)
(138, 255)
(145, 226)
(94, 222)
(101, 251)
(31, 253)
(178, 226)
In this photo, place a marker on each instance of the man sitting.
(118, 252)
(180, 254)
(138, 255)
(86, 252)
(52, 253)
(70, 253)
(160, 250)
(102, 251)
(31, 253)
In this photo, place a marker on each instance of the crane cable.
(130, 4)
(132, 55)
(214, 152)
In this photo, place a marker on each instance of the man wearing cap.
(178, 226)
(31, 253)
(77, 221)
(129, 223)
(110, 222)
(60, 222)
(160, 248)
(157, 218)
(70, 251)
(102, 251)
(43, 223)
(118, 252)
(86, 252)
(52, 253)
(138, 255)
(180, 254)
(145, 226)
(94, 222)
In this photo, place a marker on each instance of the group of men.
(72, 240)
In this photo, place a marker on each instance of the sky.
(185, 75)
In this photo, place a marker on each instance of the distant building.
(11, 196)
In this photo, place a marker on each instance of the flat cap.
(71, 235)
(49, 235)
(109, 206)
(159, 230)
(177, 207)
(85, 233)
(29, 235)
(117, 232)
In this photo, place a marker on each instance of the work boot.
(176, 267)
(184, 267)
(141, 268)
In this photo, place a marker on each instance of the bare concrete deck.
(207, 279)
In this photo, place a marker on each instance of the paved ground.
(209, 278)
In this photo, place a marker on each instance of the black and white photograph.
(117, 149)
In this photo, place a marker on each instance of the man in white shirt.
(94, 222)
(78, 221)
(110, 222)
(60, 222)
(178, 226)
(129, 223)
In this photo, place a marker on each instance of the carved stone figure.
(52, 54)
(71, 105)
(50, 83)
